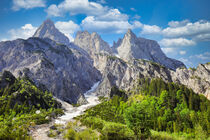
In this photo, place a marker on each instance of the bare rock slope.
(133, 47)
(65, 72)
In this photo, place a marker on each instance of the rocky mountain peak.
(130, 35)
(133, 47)
(48, 30)
(49, 23)
(91, 42)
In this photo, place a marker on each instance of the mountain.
(124, 75)
(197, 79)
(92, 43)
(56, 67)
(133, 47)
(48, 30)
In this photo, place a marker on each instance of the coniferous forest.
(22, 106)
(153, 109)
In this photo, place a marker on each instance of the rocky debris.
(65, 72)
(133, 47)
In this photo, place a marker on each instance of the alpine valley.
(51, 88)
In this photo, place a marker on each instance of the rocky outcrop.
(48, 30)
(133, 47)
(117, 72)
(197, 79)
(92, 43)
(63, 71)
(124, 75)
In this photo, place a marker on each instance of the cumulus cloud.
(151, 29)
(68, 28)
(182, 52)
(175, 24)
(113, 15)
(74, 7)
(101, 1)
(202, 37)
(99, 18)
(27, 4)
(176, 42)
(24, 32)
(53, 10)
(92, 24)
(187, 29)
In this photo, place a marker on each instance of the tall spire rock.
(92, 43)
(133, 47)
(48, 30)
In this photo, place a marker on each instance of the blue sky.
(181, 27)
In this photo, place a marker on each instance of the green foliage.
(22, 105)
(173, 110)
(73, 134)
(138, 118)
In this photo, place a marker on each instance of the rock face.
(69, 69)
(63, 71)
(132, 47)
(92, 43)
(122, 74)
(117, 72)
(48, 30)
(197, 79)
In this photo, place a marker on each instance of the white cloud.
(74, 7)
(204, 56)
(168, 50)
(175, 24)
(151, 29)
(187, 29)
(53, 10)
(179, 29)
(182, 52)
(68, 28)
(27, 4)
(113, 15)
(176, 42)
(101, 1)
(91, 24)
(99, 18)
(24, 32)
(202, 37)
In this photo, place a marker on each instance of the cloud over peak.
(27, 4)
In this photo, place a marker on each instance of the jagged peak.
(48, 30)
(82, 33)
(48, 22)
(129, 34)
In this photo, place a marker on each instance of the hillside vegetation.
(154, 110)
(22, 106)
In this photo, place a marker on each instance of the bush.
(116, 131)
